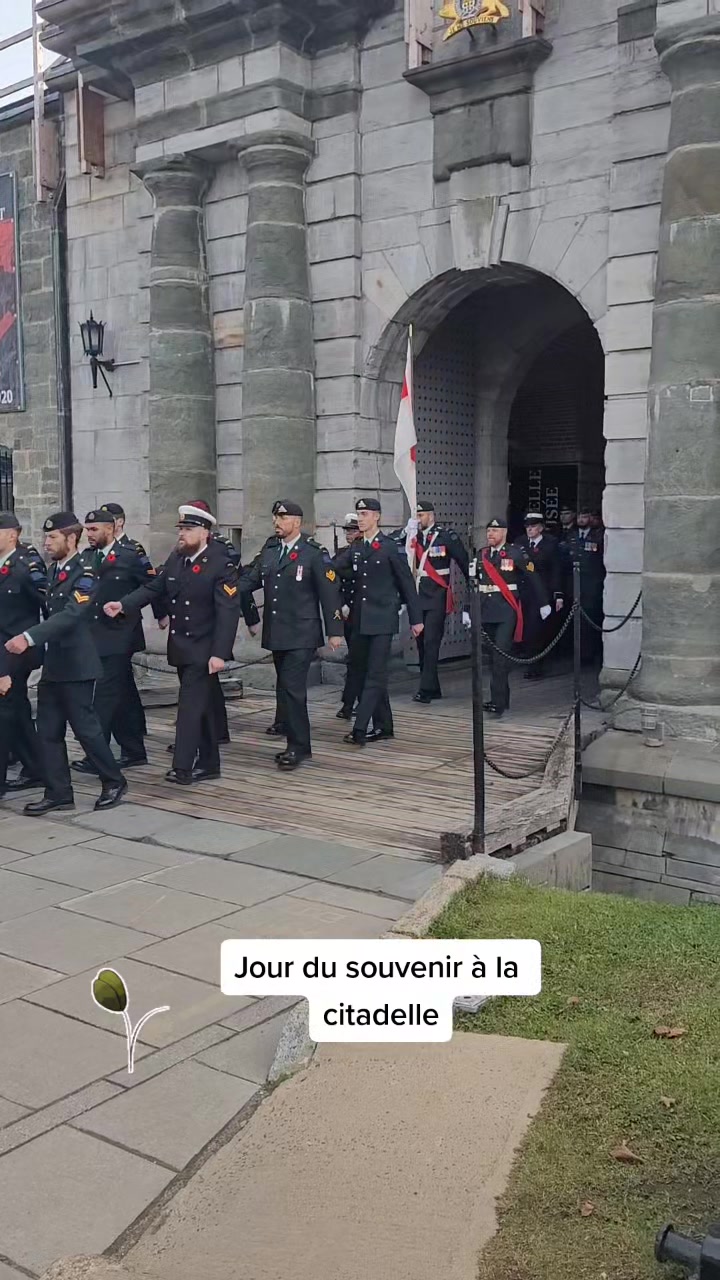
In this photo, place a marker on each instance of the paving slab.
(19, 979)
(229, 881)
(37, 835)
(399, 877)
(302, 856)
(290, 917)
(333, 1147)
(204, 835)
(172, 1116)
(154, 908)
(44, 1056)
(250, 1054)
(131, 821)
(195, 953)
(160, 1060)
(70, 1186)
(81, 868)
(35, 1123)
(142, 849)
(65, 941)
(370, 904)
(9, 1112)
(260, 1011)
(193, 1004)
(20, 895)
(9, 1273)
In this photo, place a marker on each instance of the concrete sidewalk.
(84, 1147)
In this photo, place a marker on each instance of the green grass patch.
(613, 970)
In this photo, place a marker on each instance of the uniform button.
(172, 631)
(274, 612)
(187, 602)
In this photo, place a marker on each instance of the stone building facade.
(283, 197)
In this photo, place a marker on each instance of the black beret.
(8, 520)
(367, 504)
(287, 509)
(497, 523)
(425, 506)
(103, 516)
(114, 509)
(61, 520)
(534, 517)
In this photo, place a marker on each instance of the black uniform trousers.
(17, 728)
(195, 730)
(113, 694)
(501, 633)
(429, 642)
(292, 667)
(373, 655)
(129, 717)
(591, 600)
(219, 711)
(60, 704)
(354, 674)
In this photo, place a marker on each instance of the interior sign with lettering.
(12, 395)
(463, 14)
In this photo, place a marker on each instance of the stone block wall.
(226, 206)
(33, 434)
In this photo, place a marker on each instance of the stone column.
(181, 445)
(278, 432)
(681, 576)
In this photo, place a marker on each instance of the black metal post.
(577, 640)
(478, 832)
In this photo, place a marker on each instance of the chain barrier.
(596, 706)
(538, 768)
(606, 631)
(528, 662)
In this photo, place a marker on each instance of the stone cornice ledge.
(489, 73)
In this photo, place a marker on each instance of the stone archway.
(478, 337)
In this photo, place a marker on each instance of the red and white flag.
(406, 453)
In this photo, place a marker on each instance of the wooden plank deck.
(400, 794)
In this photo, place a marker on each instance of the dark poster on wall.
(546, 489)
(12, 391)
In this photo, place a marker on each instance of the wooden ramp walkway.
(400, 794)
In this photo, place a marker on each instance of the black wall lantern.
(93, 336)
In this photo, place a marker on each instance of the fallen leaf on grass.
(587, 1208)
(625, 1155)
(669, 1033)
(667, 1102)
(574, 1000)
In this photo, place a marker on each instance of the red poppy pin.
(376, 545)
(196, 568)
(293, 555)
(5, 570)
(62, 576)
(112, 556)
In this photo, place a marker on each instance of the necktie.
(283, 550)
(188, 561)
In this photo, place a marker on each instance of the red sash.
(435, 577)
(497, 579)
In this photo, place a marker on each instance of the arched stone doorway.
(509, 399)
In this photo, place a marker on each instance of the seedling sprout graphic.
(110, 992)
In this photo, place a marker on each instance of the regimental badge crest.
(463, 14)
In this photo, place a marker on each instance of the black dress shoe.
(377, 735)
(182, 777)
(345, 713)
(84, 766)
(171, 749)
(280, 755)
(290, 759)
(356, 739)
(22, 784)
(204, 775)
(493, 710)
(111, 794)
(224, 742)
(276, 731)
(38, 808)
(424, 698)
(533, 674)
(132, 762)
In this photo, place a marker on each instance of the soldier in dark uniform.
(501, 569)
(130, 714)
(119, 568)
(23, 587)
(299, 583)
(544, 552)
(586, 544)
(437, 548)
(385, 583)
(70, 668)
(353, 679)
(199, 578)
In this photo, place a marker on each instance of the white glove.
(466, 619)
(472, 569)
(545, 612)
(345, 612)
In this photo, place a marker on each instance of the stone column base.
(699, 723)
